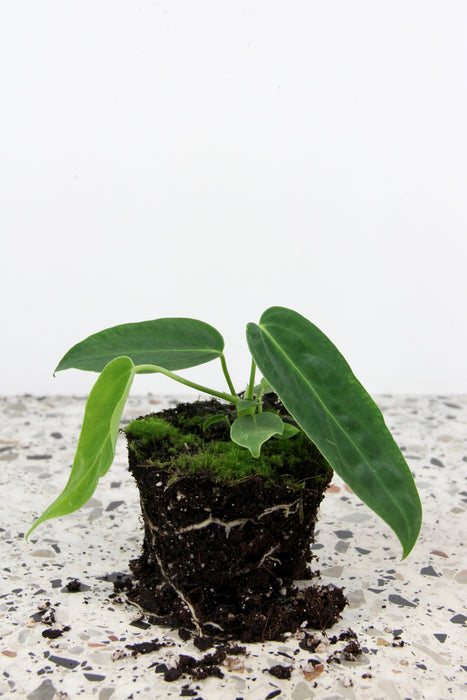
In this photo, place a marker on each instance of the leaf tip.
(406, 549)
(31, 529)
(59, 367)
(409, 544)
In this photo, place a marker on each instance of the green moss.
(226, 461)
(145, 433)
(151, 429)
(189, 451)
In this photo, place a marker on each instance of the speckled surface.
(409, 616)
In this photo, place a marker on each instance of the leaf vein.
(334, 421)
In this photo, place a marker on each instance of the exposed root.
(214, 521)
(268, 554)
(287, 507)
(190, 607)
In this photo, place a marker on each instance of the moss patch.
(151, 434)
(176, 440)
(226, 461)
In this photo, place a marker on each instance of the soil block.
(221, 558)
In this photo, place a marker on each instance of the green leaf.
(96, 445)
(289, 431)
(215, 419)
(263, 387)
(172, 343)
(252, 431)
(246, 406)
(266, 385)
(319, 390)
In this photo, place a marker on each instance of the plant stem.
(232, 398)
(227, 375)
(249, 391)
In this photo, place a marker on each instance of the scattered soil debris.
(199, 669)
(73, 586)
(147, 647)
(349, 653)
(352, 650)
(48, 616)
(309, 642)
(45, 614)
(343, 637)
(283, 672)
(53, 634)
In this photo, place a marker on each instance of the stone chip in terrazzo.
(409, 616)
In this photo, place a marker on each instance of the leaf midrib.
(106, 440)
(333, 419)
(137, 354)
(151, 349)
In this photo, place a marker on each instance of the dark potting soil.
(221, 558)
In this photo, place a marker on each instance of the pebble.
(45, 691)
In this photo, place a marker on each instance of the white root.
(214, 624)
(179, 593)
(282, 506)
(288, 507)
(214, 521)
(268, 554)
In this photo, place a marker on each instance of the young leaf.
(319, 390)
(289, 431)
(215, 419)
(172, 343)
(96, 445)
(252, 431)
(263, 387)
(246, 406)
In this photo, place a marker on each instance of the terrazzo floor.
(409, 616)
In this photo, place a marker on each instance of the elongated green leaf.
(96, 445)
(319, 390)
(252, 431)
(172, 343)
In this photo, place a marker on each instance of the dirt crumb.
(352, 650)
(172, 674)
(146, 647)
(283, 672)
(73, 586)
(198, 669)
(53, 634)
(310, 642)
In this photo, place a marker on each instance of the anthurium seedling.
(298, 362)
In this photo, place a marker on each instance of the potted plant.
(230, 487)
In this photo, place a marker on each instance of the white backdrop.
(211, 159)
